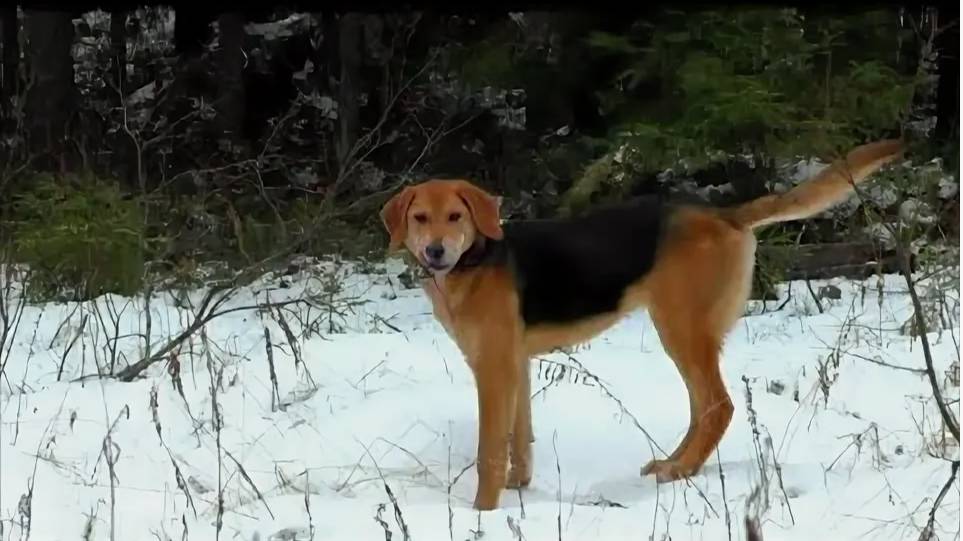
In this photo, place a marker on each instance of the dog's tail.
(819, 193)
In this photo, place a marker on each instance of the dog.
(505, 292)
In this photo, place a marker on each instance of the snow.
(283, 28)
(389, 405)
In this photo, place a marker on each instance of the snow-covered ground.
(376, 428)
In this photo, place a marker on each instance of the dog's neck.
(474, 256)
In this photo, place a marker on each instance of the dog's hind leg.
(710, 408)
(697, 293)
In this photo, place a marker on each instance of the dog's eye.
(421, 218)
(454, 217)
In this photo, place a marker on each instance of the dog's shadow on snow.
(627, 491)
(617, 493)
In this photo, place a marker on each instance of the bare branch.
(928, 533)
(903, 256)
(250, 482)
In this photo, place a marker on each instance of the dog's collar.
(474, 256)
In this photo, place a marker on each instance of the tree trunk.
(192, 28)
(50, 91)
(376, 61)
(230, 67)
(948, 69)
(349, 85)
(9, 30)
(118, 53)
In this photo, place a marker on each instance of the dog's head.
(439, 220)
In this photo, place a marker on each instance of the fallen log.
(852, 260)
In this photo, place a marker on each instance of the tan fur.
(815, 195)
(695, 293)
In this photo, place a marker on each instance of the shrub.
(79, 237)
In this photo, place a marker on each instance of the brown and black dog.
(507, 292)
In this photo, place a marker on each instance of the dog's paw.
(519, 476)
(491, 482)
(520, 473)
(486, 502)
(667, 471)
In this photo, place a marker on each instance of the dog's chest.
(445, 309)
(439, 306)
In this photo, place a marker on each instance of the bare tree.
(50, 90)
(9, 33)
(350, 51)
(947, 43)
(230, 67)
(118, 51)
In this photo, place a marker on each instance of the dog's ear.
(393, 215)
(484, 209)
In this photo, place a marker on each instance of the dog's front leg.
(497, 380)
(520, 474)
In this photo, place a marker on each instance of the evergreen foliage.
(79, 236)
(766, 83)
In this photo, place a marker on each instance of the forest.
(199, 313)
(223, 136)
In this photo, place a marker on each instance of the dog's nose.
(435, 251)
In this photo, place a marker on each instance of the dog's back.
(571, 269)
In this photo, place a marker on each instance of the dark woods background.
(140, 142)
